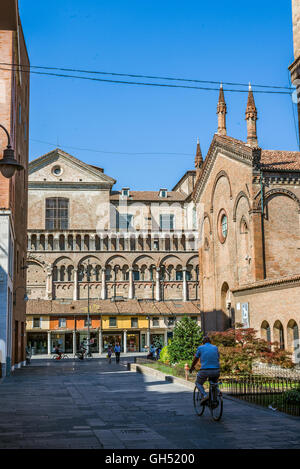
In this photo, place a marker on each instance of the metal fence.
(281, 394)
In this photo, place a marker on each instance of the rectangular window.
(136, 275)
(171, 321)
(167, 221)
(62, 322)
(112, 322)
(57, 214)
(134, 322)
(179, 275)
(155, 321)
(124, 221)
(37, 322)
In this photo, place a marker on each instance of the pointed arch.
(217, 178)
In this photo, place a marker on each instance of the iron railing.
(281, 394)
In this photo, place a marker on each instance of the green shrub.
(164, 355)
(187, 337)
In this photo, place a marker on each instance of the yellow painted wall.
(45, 323)
(124, 322)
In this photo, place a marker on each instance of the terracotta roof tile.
(280, 160)
(129, 307)
(149, 196)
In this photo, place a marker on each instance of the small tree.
(186, 339)
(240, 347)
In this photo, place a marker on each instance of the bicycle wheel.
(197, 398)
(216, 405)
(54, 357)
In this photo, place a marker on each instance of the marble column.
(75, 288)
(130, 290)
(157, 285)
(49, 342)
(74, 343)
(166, 337)
(184, 286)
(100, 340)
(92, 243)
(148, 338)
(103, 284)
(125, 341)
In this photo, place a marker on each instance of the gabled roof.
(270, 160)
(53, 155)
(236, 148)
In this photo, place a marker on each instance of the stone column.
(125, 341)
(56, 243)
(130, 290)
(148, 338)
(100, 340)
(103, 284)
(49, 342)
(184, 286)
(74, 343)
(166, 337)
(157, 285)
(75, 288)
(92, 243)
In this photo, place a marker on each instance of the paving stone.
(102, 406)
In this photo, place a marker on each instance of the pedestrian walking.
(109, 354)
(117, 352)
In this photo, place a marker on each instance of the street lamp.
(9, 165)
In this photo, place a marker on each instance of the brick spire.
(198, 158)
(251, 118)
(221, 111)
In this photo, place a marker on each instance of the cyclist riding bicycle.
(57, 351)
(210, 366)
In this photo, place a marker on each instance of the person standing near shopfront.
(109, 354)
(117, 352)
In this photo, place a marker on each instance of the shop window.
(155, 321)
(62, 322)
(37, 322)
(134, 322)
(112, 322)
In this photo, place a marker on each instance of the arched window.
(279, 334)
(265, 331)
(57, 213)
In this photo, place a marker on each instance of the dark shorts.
(208, 375)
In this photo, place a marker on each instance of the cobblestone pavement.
(92, 404)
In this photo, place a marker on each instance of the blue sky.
(228, 41)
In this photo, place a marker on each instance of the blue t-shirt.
(117, 348)
(209, 356)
